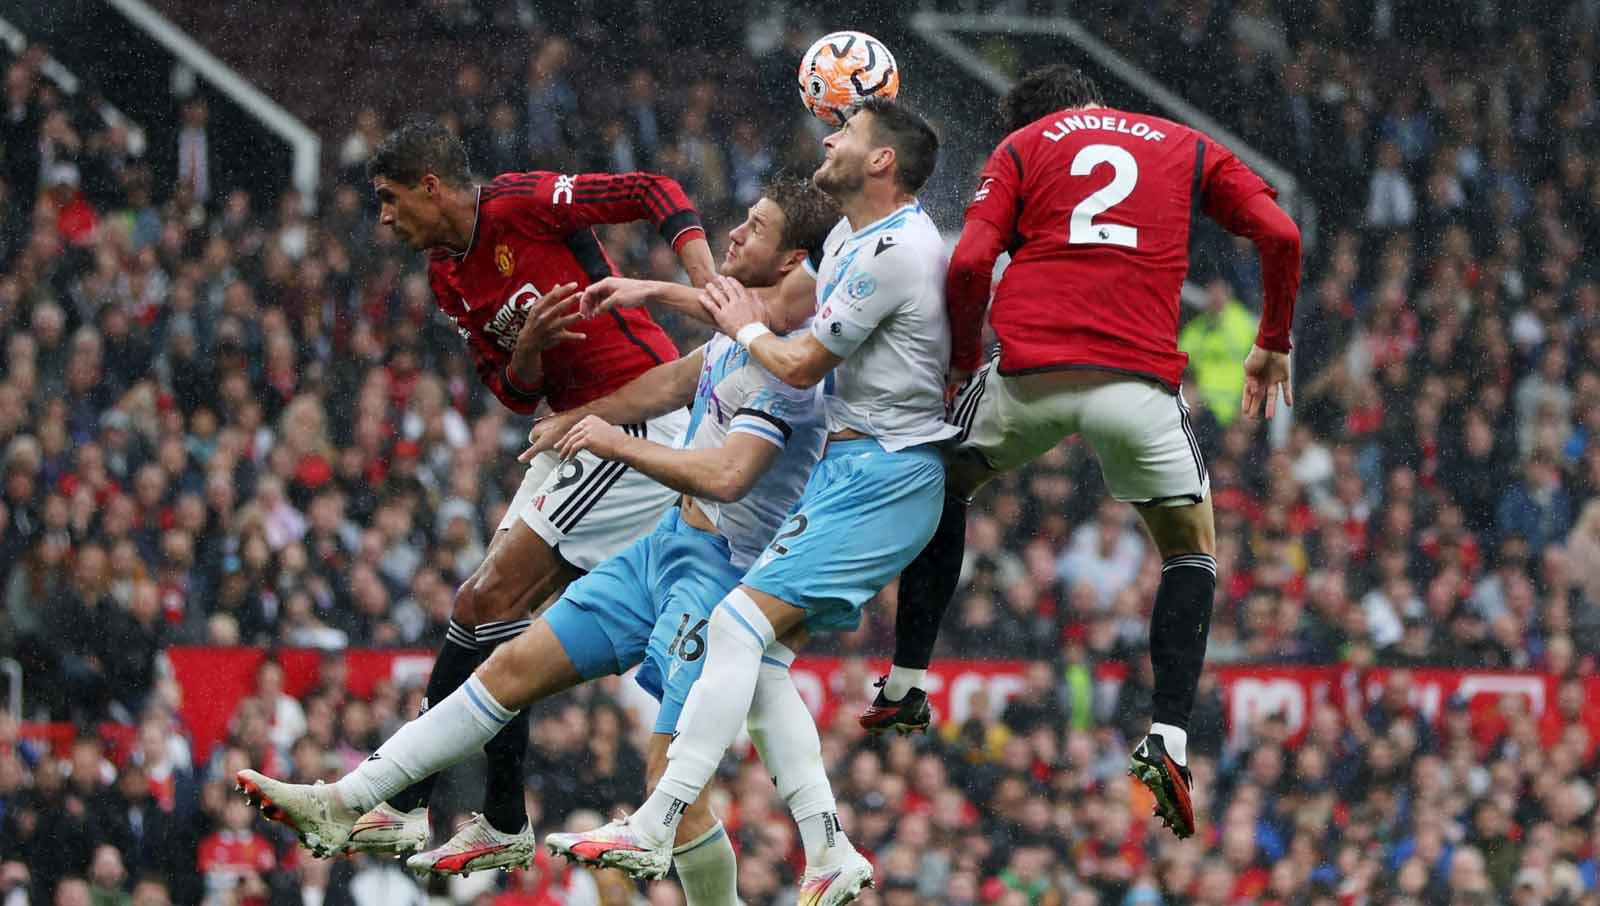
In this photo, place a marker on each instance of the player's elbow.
(967, 266)
(1283, 238)
(730, 484)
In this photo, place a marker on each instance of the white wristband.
(750, 333)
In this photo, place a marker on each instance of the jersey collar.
(477, 215)
(881, 222)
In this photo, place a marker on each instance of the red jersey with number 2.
(1098, 204)
(534, 232)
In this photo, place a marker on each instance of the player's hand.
(732, 306)
(549, 319)
(548, 322)
(613, 292)
(594, 434)
(955, 382)
(548, 431)
(1265, 372)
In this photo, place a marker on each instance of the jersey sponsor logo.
(507, 322)
(563, 189)
(887, 242)
(983, 190)
(503, 260)
(861, 286)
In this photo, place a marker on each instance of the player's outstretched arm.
(799, 361)
(658, 391)
(966, 290)
(590, 199)
(628, 292)
(724, 473)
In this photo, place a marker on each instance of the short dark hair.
(419, 147)
(915, 144)
(1059, 86)
(808, 212)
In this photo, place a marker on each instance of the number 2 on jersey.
(1082, 229)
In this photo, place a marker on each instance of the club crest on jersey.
(503, 260)
(861, 286)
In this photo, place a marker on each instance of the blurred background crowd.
(229, 416)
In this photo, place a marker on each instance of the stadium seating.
(233, 438)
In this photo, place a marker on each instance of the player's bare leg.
(519, 573)
(1186, 538)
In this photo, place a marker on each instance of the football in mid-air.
(843, 69)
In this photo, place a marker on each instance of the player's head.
(1059, 86)
(791, 217)
(882, 140)
(412, 171)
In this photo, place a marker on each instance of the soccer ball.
(843, 69)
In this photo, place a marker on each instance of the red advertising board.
(215, 679)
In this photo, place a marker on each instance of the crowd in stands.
(229, 422)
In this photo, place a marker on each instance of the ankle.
(902, 680)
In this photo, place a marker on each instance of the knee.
(486, 597)
(965, 471)
(511, 662)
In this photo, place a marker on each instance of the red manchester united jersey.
(1097, 204)
(534, 232)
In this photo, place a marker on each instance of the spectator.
(195, 166)
(1539, 508)
(1217, 342)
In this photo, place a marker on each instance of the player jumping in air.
(1095, 206)
(750, 446)
(505, 261)
(870, 505)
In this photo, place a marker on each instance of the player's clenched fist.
(594, 434)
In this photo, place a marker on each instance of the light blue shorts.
(649, 606)
(865, 514)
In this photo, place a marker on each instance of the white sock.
(708, 870)
(1176, 740)
(786, 736)
(823, 839)
(712, 715)
(902, 680)
(445, 734)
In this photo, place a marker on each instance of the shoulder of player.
(902, 244)
(514, 189)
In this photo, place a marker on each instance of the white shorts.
(1138, 430)
(589, 509)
